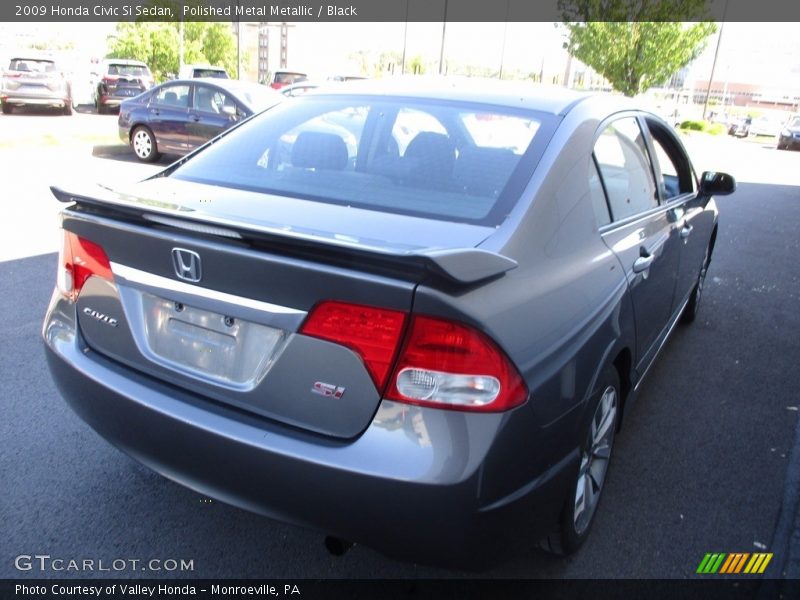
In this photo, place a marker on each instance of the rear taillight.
(372, 333)
(452, 365)
(441, 363)
(78, 260)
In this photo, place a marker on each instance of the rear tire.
(143, 143)
(7, 108)
(67, 110)
(581, 504)
(693, 306)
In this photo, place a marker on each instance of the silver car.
(37, 81)
(422, 339)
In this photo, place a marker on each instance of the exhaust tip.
(337, 546)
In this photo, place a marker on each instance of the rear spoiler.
(458, 265)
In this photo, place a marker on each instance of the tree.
(635, 44)
(153, 43)
(416, 65)
(156, 43)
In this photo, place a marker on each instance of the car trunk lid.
(207, 301)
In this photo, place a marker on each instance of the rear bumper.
(13, 99)
(112, 100)
(409, 486)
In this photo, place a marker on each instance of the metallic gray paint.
(414, 482)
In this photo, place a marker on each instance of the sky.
(761, 53)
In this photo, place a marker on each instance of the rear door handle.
(686, 231)
(643, 263)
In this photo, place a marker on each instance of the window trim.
(604, 124)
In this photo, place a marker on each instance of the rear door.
(642, 232)
(213, 110)
(169, 117)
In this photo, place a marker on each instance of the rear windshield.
(130, 70)
(210, 73)
(32, 65)
(453, 161)
(289, 78)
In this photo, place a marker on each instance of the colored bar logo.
(734, 563)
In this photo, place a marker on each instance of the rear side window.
(211, 100)
(176, 96)
(625, 168)
(438, 160)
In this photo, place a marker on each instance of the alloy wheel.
(594, 460)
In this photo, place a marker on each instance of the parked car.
(298, 89)
(32, 80)
(119, 80)
(426, 350)
(740, 128)
(282, 78)
(346, 78)
(789, 137)
(178, 116)
(766, 126)
(192, 71)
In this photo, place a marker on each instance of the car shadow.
(84, 109)
(123, 153)
(36, 111)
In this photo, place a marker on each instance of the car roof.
(40, 57)
(230, 84)
(124, 61)
(204, 66)
(513, 94)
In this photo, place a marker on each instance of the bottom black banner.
(312, 589)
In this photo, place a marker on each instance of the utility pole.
(180, 46)
(405, 41)
(444, 30)
(714, 64)
(505, 35)
(238, 43)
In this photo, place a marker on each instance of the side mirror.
(713, 183)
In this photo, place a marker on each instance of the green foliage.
(717, 129)
(153, 43)
(157, 43)
(693, 125)
(635, 44)
(704, 126)
(416, 66)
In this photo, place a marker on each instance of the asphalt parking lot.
(700, 465)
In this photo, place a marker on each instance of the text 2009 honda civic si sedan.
(410, 317)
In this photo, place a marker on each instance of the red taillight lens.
(80, 259)
(452, 365)
(442, 363)
(372, 333)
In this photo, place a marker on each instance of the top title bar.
(389, 10)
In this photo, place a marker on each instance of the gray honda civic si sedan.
(409, 315)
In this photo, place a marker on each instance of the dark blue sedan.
(178, 116)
